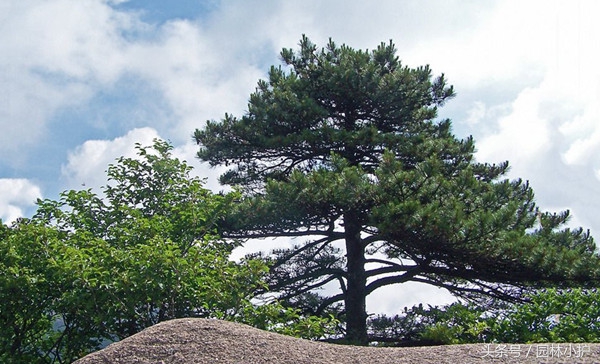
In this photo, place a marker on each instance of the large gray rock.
(187, 341)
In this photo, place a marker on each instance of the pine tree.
(344, 145)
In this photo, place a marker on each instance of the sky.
(82, 81)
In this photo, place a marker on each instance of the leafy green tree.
(342, 147)
(90, 269)
(548, 315)
(28, 290)
(552, 315)
(146, 251)
(456, 323)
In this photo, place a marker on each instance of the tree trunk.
(355, 298)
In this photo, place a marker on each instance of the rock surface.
(187, 341)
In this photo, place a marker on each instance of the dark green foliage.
(343, 145)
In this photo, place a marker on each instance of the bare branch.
(385, 281)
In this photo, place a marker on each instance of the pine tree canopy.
(344, 147)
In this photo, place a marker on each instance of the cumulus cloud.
(54, 52)
(198, 77)
(557, 98)
(60, 54)
(527, 86)
(86, 165)
(63, 54)
(16, 196)
(522, 134)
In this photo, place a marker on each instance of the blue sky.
(159, 11)
(82, 81)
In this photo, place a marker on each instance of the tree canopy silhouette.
(344, 145)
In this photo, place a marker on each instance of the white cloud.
(87, 164)
(583, 149)
(54, 52)
(62, 53)
(535, 63)
(198, 77)
(476, 113)
(16, 195)
(499, 43)
(522, 135)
